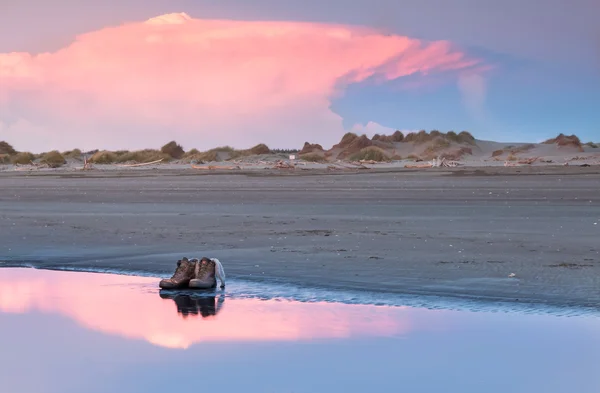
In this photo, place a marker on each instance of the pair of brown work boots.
(193, 273)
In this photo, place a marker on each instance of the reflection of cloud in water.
(131, 307)
(205, 306)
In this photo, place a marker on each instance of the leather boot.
(204, 274)
(182, 276)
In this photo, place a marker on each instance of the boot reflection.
(205, 306)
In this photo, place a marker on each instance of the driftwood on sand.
(283, 165)
(142, 164)
(213, 167)
(525, 161)
(435, 163)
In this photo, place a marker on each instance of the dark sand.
(439, 232)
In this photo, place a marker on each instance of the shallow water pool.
(74, 332)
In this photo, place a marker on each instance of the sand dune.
(420, 149)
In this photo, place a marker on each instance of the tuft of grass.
(413, 157)
(216, 154)
(437, 145)
(211, 155)
(419, 137)
(261, 148)
(347, 139)
(513, 150)
(458, 153)
(592, 145)
(436, 133)
(142, 156)
(463, 137)
(104, 157)
(23, 158)
(75, 153)
(563, 140)
(312, 157)
(512, 157)
(4, 159)
(173, 150)
(310, 148)
(192, 152)
(397, 136)
(355, 146)
(53, 159)
(370, 153)
(6, 148)
(466, 137)
(524, 148)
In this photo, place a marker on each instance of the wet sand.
(456, 233)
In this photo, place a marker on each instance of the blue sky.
(545, 55)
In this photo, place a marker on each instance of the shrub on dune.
(23, 158)
(347, 139)
(312, 157)
(75, 153)
(104, 157)
(310, 148)
(458, 153)
(261, 148)
(53, 159)
(419, 137)
(436, 146)
(6, 148)
(563, 140)
(398, 136)
(143, 156)
(355, 146)
(466, 137)
(173, 150)
(370, 153)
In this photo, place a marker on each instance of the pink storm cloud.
(202, 82)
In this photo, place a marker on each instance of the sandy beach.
(457, 232)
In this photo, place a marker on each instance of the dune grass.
(22, 158)
(370, 153)
(123, 156)
(310, 148)
(74, 154)
(142, 156)
(225, 153)
(53, 159)
(6, 148)
(464, 137)
(173, 150)
(418, 137)
(563, 140)
(347, 139)
(312, 157)
(436, 146)
(103, 157)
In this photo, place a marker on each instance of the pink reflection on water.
(131, 307)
